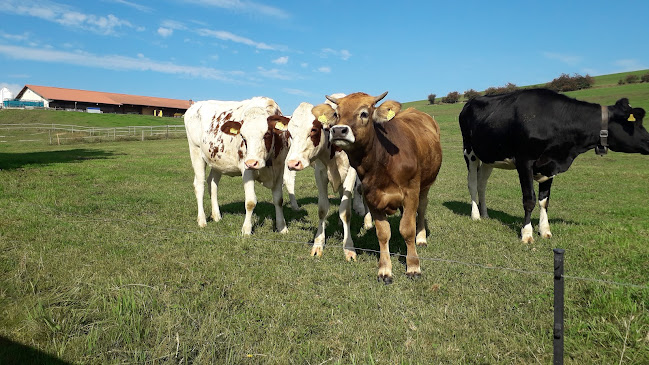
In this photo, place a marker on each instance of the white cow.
(238, 138)
(310, 145)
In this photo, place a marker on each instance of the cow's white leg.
(345, 214)
(359, 202)
(198, 165)
(473, 164)
(526, 179)
(278, 201)
(544, 202)
(289, 181)
(250, 199)
(213, 183)
(483, 175)
(320, 172)
(420, 239)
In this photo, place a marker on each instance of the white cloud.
(165, 32)
(65, 15)
(227, 36)
(244, 6)
(324, 69)
(304, 65)
(298, 92)
(115, 62)
(276, 74)
(564, 58)
(133, 5)
(14, 88)
(629, 65)
(281, 60)
(343, 54)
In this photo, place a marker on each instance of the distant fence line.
(62, 133)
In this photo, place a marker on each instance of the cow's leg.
(483, 175)
(198, 165)
(473, 165)
(289, 181)
(320, 172)
(278, 201)
(420, 239)
(213, 182)
(529, 199)
(544, 202)
(383, 234)
(359, 202)
(250, 198)
(407, 228)
(345, 214)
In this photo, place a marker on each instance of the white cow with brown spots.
(238, 138)
(310, 146)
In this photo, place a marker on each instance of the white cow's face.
(308, 138)
(261, 131)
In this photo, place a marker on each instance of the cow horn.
(332, 99)
(378, 98)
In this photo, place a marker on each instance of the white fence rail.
(63, 133)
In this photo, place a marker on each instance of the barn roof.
(58, 93)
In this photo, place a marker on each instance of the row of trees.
(562, 83)
(634, 79)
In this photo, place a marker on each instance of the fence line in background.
(53, 133)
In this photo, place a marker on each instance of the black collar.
(602, 147)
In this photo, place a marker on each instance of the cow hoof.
(350, 255)
(246, 231)
(422, 243)
(216, 218)
(413, 275)
(386, 279)
(547, 234)
(527, 239)
(316, 251)
(284, 231)
(202, 224)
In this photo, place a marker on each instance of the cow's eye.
(363, 115)
(335, 115)
(314, 130)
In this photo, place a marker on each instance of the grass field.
(102, 262)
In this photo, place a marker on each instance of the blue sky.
(294, 51)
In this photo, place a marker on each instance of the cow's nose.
(252, 164)
(339, 131)
(295, 165)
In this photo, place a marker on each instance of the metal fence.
(65, 134)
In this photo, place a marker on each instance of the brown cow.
(397, 155)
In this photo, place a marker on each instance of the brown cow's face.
(353, 120)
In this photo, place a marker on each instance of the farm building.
(97, 102)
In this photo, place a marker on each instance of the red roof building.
(96, 101)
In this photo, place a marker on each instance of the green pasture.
(102, 262)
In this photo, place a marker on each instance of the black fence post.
(558, 306)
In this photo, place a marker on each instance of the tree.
(452, 98)
(470, 94)
(431, 98)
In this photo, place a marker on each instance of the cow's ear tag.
(323, 119)
(234, 131)
(280, 126)
(391, 114)
(631, 118)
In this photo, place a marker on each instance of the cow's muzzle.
(342, 135)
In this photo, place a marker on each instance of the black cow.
(539, 133)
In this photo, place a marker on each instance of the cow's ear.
(278, 123)
(232, 128)
(623, 103)
(637, 114)
(386, 111)
(325, 114)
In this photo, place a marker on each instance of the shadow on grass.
(9, 161)
(15, 353)
(262, 211)
(512, 222)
